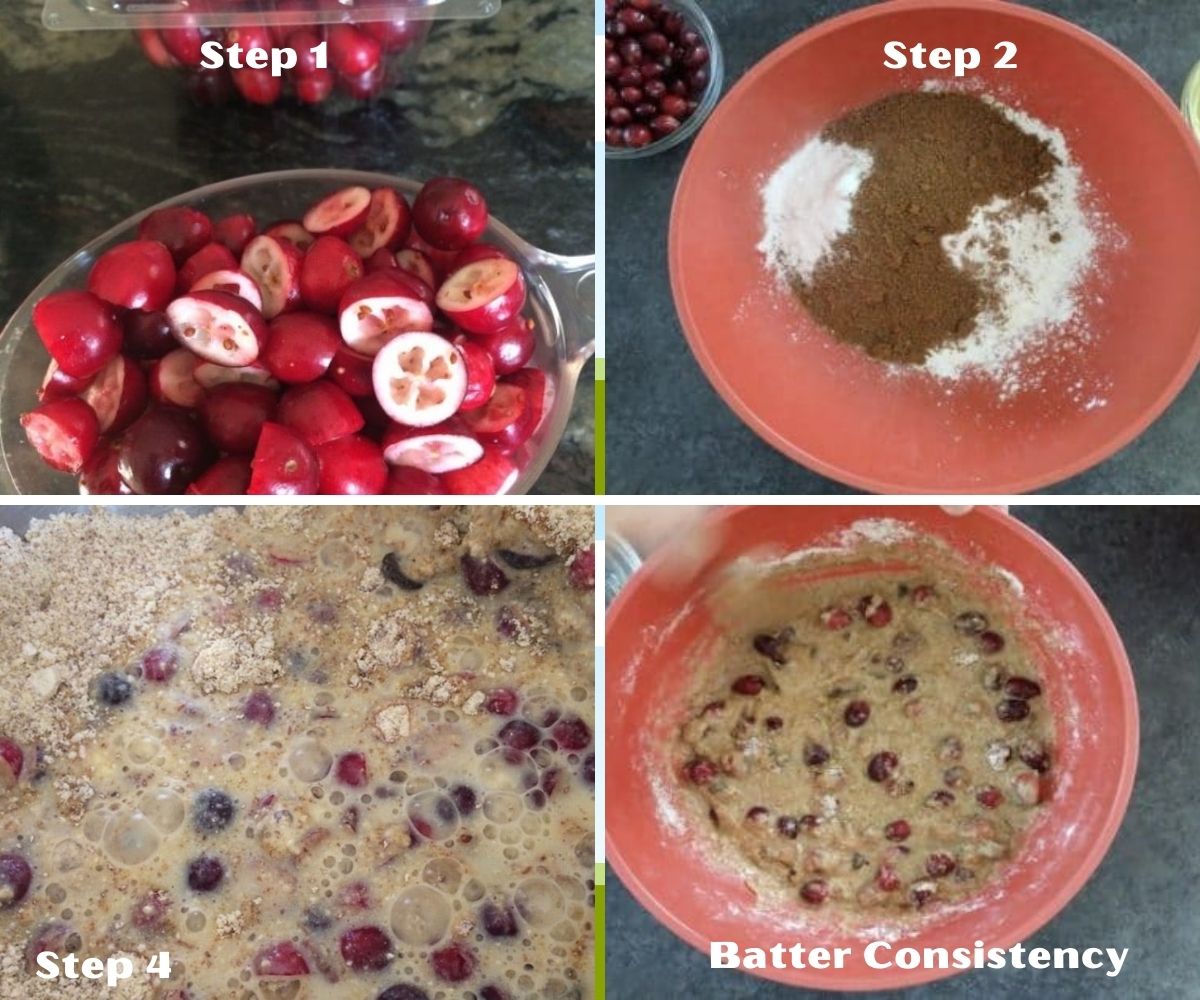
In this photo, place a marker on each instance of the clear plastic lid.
(74, 15)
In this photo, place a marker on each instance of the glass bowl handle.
(572, 281)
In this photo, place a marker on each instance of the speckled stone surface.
(668, 430)
(1143, 562)
(91, 133)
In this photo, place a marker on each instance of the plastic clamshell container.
(77, 15)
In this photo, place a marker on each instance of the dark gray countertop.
(1143, 562)
(667, 429)
(93, 133)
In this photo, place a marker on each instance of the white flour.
(1034, 261)
(807, 203)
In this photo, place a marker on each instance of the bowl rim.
(865, 480)
(541, 267)
(1028, 921)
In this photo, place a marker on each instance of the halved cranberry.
(210, 258)
(387, 224)
(748, 684)
(63, 432)
(1022, 687)
(991, 642)
(887, 879)
(501, 701)
(882, 765)
(857, 713)
(483, 576)
(499, 920)
(815, 891)
(700, 771)
(519, 735)
(1012, 710)
(301, 347)
(15, 876)
(281, 959)
(835, 619)
(329, 268)
(352, 466)
(159, 664)
(815, 754)
(989, 796)
(225, 477)
(897, 830)
(351, 769)
(319, 412)
(283, 464)
(454, 963)
(366, 948)
(572, 733)
(259, 707)
(939, 865)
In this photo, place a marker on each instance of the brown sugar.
(886, 284)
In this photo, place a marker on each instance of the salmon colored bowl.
(837, 411)
(662, 849)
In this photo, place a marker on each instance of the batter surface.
(336, 752)
(881, 748)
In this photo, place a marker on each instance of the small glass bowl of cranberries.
(662, 75)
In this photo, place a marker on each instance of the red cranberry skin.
(1012, 710)
(79, 330)
(180, 229)
(572, 733)
(233, 415)
(815, 891)
(135, 275)
(282, 959)
(13, 757)
(836, 619)
(258, 86)
(352, 52)
(990, 797)
(519, 735)
(700, 771)
(351, 466)
(857, 713)
(351, 769)
(163, 451)
(511, 347)
(1022, 688)
(453, 963)
(301, 347)
(159, 664)
(749, 684)
(991, 642)
(366, 949)
(449, 213)
(882, 766)
(148, 335)
(897, 830)
(235, 231)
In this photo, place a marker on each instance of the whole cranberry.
(815, 891)
(882, 766)
(748, 684)
(450, 213)
(453, 963)
(857, 713)
(366, 949)
(897, 830)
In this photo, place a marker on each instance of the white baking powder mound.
(807, 203)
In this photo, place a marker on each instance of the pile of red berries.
(656, 70)
(368, 348)
(359, 57)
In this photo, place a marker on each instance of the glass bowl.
(561, 304)
(698, 21)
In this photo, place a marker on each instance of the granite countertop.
(1143, 563)
(667, 429)
(93, 133)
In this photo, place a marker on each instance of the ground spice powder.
(886, 284)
